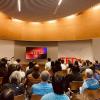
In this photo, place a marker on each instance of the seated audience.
(15, 86)
(52, 67)
(11, 68)
(18, 61)
(43, 87)
(34, 76)
(90, 82)
(7, 94)
(57, 66)
(97, 75)
(58, 87)
(4, 70)
(75, 74)
(30, 67)
(97, 65)
(19, 74)
(83, 67)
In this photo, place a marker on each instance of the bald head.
(88, 73)
(45, 76)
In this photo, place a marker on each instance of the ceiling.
(41, 10)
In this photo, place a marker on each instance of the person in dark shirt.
(30, 68)
(15, 86)
(57, 66)
(4, 71)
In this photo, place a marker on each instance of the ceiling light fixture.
(19, 5)
(58, 5)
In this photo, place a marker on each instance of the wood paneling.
(84, 26)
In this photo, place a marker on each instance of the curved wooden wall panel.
(84, 26)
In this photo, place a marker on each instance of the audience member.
(75, 75)
(90, 82)
(29, 69)
(15, 86)
(35, 75)
(32, 78)
(57, 66)
(30, 65)
(52, 66)
(97, 65)
(97, 75)
(43, 87)
(48, 64)
(19, 74)
(63, 65)
(4, 71)
(18, 61)
(58, 88)
(11, 68)
(7, 94)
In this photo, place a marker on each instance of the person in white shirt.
(48, 64)
(63, 65)
(18, 74)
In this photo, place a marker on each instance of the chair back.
(19, 97)
(75, 85)
(35, 97)
(93, 93)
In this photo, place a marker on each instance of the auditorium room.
(49, 49)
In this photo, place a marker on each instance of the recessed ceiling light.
(59, 3)
(57, 7)
(19, 5)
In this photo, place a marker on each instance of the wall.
(20, 48)
(96, 48)
(88, 49)
(6, 48)
(77, 49)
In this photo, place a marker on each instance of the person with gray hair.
(43, 87)
(90, 82)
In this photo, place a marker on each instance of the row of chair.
(73, 85)
(22, 97)
(93, 93)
